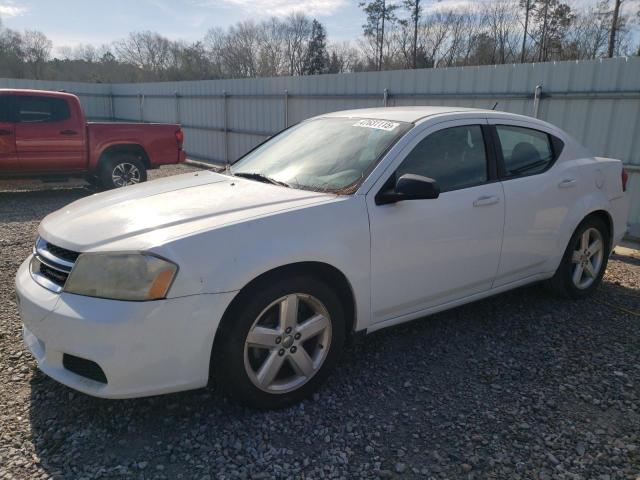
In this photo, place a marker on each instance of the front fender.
(227, 258)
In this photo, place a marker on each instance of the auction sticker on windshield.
(377, 124)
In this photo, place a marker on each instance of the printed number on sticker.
(377, 124)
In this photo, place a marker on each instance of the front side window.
(5, 109)
(525, 151)
(454, 157)
(325, 154)
(36, 109)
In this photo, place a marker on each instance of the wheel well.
(133, 148)
(329, 274)
(606, 218)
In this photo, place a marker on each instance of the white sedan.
(343, 224)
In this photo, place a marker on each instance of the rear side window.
(525, 151)
(36, 109)
(5, 108)
(454, 157)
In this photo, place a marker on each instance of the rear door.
(48, 137)
(8, 156)
(538, 194)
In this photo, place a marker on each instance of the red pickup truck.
(45, 134)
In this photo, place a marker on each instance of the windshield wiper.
(260, 178)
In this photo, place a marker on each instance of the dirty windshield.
(328, 154)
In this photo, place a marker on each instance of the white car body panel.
(401, 261)
(449, 239)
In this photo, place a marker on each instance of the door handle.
(68, 132)
(487, 200)
(5, 132)
(567, 182)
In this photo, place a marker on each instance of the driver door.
(427, 253)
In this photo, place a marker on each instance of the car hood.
(157, 211)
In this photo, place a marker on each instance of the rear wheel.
(279, 342)
(584, 261)
(122, 170)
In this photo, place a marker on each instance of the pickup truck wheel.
(279, 343)
(121, 171)
(584, 261)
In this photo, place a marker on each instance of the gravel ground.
(518, 386)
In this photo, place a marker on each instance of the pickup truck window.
(5, 109)
(39, 109)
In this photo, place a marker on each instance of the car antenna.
(494, 106)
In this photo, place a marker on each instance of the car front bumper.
(143, 348)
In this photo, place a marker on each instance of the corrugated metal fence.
(598, 102)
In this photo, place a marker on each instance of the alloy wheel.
(125, 174)
(587, 258)
(288, 343)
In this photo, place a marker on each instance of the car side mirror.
(409, 187)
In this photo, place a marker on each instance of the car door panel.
(537, 207)
(46, 143)
(429, 252)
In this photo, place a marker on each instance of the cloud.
(280, 8)
(9, 10)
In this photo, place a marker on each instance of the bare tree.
(500, 17)
(528, 5)
(272, 45)
(415, 9)
(36, 50)
(379, 13)
(147, 50)
(297, 30)
(614, 27)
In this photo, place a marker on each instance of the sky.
(72, 22)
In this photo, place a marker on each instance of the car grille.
(51, 265)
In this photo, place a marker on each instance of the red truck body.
(45, 133)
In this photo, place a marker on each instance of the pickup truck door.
(49, 137)
(8, 156)
(427, 253)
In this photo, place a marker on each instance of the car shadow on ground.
(471, 385)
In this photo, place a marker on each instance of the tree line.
(397, 34)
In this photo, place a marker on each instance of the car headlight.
(121, 276)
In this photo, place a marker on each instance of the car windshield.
(326, 154)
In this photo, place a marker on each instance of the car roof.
(415, 114)
(401, 114)
(39, 93)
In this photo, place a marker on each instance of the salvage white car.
(343, 224)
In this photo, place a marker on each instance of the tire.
(240, 367)
(127, 166)
(574, 278)
(94, 182)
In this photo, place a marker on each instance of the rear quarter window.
(526, 151)
(36, 109)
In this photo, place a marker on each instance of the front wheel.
(279, 342)
(121, 171)
(584, 261)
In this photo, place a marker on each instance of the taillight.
(625, 178)
(179, 137)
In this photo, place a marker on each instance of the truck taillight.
(625, 178)
(179, 137)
